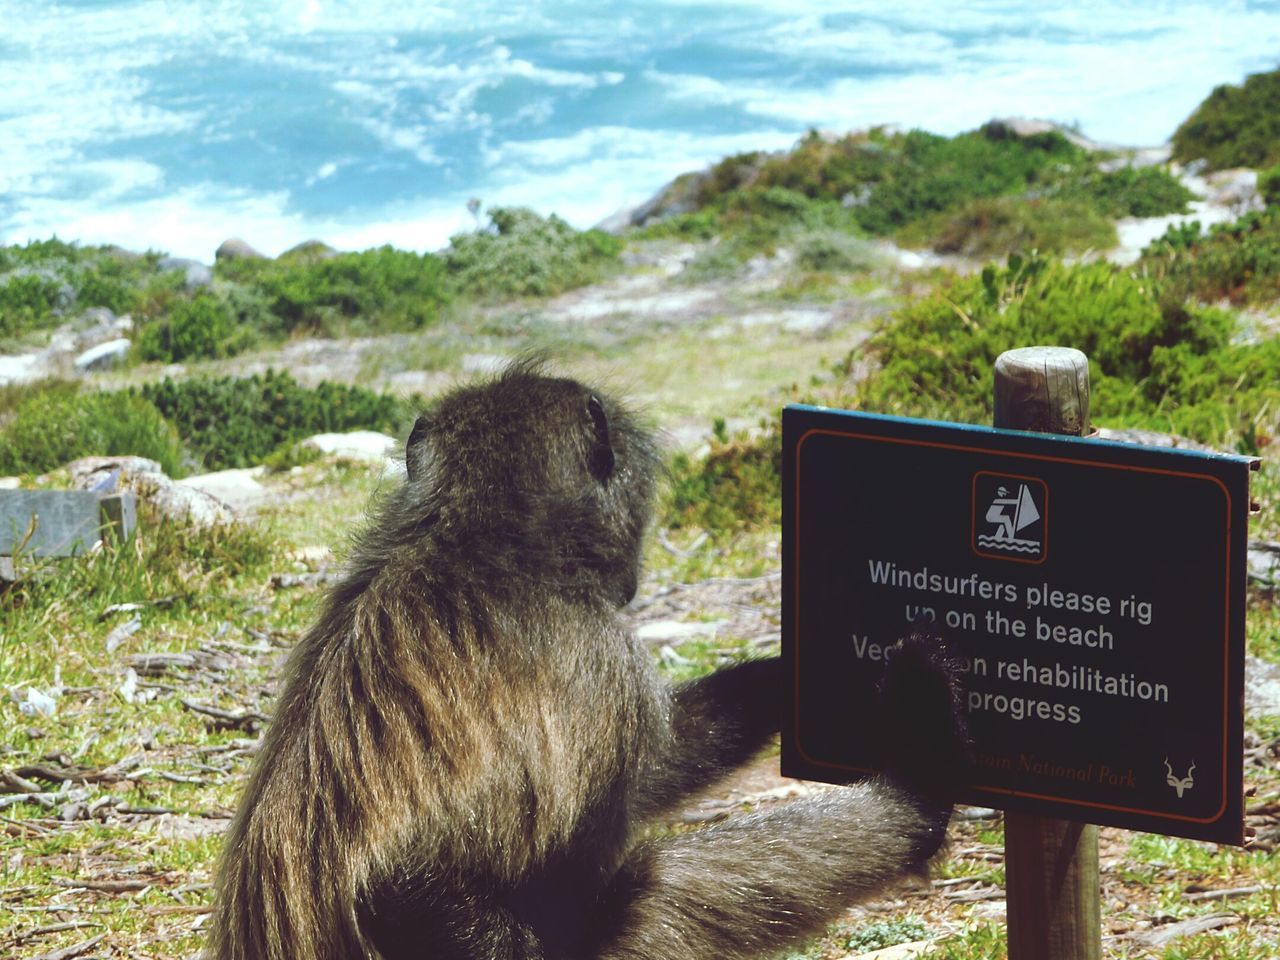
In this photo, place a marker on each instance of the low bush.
(997, 227)
(1238, 262)
(238, 422)
(735, 486)
(834, 251)
(757, 221)
(1154, 362)
(200, 328)
(1269, 186)
(523, 254)
(45, 281)
(51, 427)
(28, 301)
(1235, 126)
(1126, 192)
(382, 290)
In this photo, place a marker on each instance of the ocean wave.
(112, 112)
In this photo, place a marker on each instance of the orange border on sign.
(1226, 652)
(973, 518)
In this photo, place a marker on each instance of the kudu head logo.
(1185, 783)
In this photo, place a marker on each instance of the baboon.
(468, 741)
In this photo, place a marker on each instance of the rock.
(22, 369)
(663, 631)
(309, 251)
(103, 356)
(10, 483)
(196, 274)
(1264, 562)
(901, 951)
(238, 489)
(1236, 190)
(482, 363)
(96, 325)
(236, 249)
(148, 482)
(365, 445)
(1151, 438)
(87, 473)
(1261, 687)
(1029, 127)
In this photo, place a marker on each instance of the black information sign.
(1095, 590)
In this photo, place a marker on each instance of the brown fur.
(468, 740)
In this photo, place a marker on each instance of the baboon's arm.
(718, 722)
(753, 884)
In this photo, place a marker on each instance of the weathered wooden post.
(1051, 866)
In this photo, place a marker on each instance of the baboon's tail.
(751, 885)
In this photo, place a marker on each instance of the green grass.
(978, 941)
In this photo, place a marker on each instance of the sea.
(174, 124)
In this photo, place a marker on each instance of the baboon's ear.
(600, 460)
(416, 436)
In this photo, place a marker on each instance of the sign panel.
(1095, 591)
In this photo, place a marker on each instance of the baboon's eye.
(600, 461)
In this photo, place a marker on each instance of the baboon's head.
(538, 470)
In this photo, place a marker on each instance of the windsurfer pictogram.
(1011, 513)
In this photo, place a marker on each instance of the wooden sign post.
(1100, 689)
(1051, 866)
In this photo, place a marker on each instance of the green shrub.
(45, 281)
(889, 179)
(201, 327)
(1234, 126)
(997, 227)
(1153, 362)
(757, 221)
(1127, 192)
(379, 290)
(1239, 261)
(834, 251)
(51, 427)
(238, 422)
(1269, 186)
(735, 486)
(523, 254)
(936, 173)
(27, 302)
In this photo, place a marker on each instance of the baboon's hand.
(926, 741)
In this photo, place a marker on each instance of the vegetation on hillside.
(46, 282)
(1156, 362)
(967, 193)
(1235, 126)
(309, 291)
(1238, 262)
